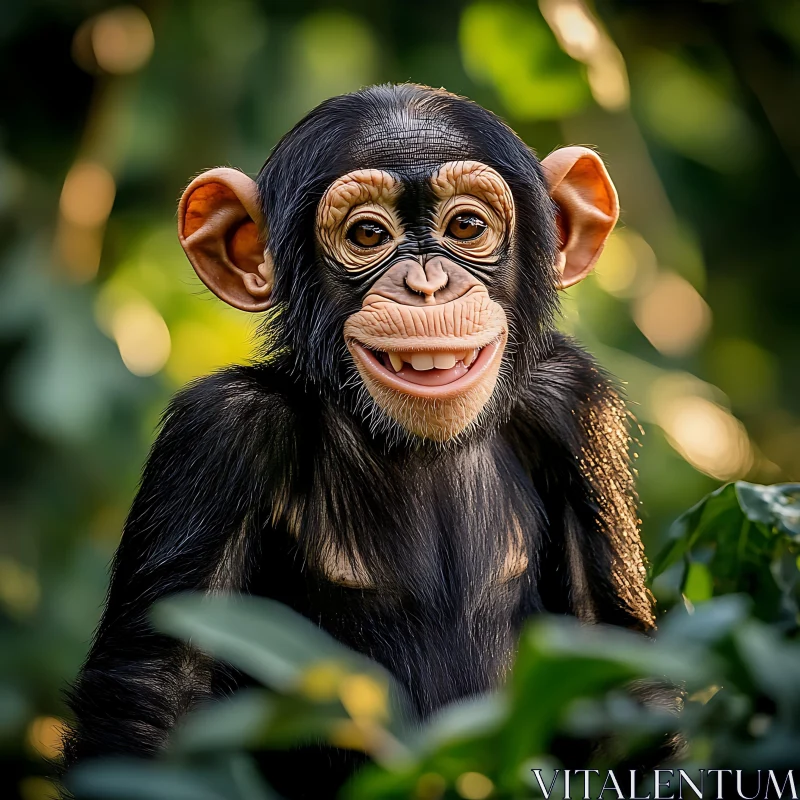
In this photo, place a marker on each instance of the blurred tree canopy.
(107, 110)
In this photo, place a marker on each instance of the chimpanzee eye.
(368, 234)
(465, 226)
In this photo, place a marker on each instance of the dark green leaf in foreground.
(264, 638)
(234, 778)
(742, 538)
(288, 654)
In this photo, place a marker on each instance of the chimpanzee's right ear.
(221, 229)
(588, 208)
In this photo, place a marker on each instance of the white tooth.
(422, 361)
(397, 362)
(471, 356)
(444, 360)
(460, 355)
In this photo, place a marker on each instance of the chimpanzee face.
(428, 339)
(411, 233)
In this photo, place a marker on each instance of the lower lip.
(439, 386)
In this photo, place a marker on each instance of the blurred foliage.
(108, 110)
(735, 701)
(741, 538)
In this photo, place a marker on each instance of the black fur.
(260, 473)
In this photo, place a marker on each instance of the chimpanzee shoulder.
(251, 399)
(570, 429)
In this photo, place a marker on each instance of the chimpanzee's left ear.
(588, 208)
(221, 230)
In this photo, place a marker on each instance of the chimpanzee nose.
(414, 282)
(426, 278)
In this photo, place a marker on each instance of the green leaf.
(134, 779)
(776, 506)
(559, 662)
(742, 538)
(262, 637)
(717, 510)
(238, 722)
(465, 719)
(698, 585)
(705, 626)
(278, 647)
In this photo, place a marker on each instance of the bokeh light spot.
(45, 736)
(19, 588)
(142, 337)
(321, 681)
(122, 40)
(577, 30)
(673, 316)
(581, 37)
(708, 436)
(627, 266)
(88, 195)
(364, 697)
(474, 786)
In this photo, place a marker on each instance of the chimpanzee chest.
(434, 588)
(442, 646)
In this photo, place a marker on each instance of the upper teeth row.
(431, 359)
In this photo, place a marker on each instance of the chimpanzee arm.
(571, 432)
(214, 467)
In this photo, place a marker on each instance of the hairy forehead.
(408, 139)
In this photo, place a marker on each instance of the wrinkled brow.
(352, 189)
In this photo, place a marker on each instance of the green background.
(107, 111)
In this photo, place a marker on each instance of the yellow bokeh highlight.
(87, 198)
(364, 697)
(350, 735)
(576, 28)
(45, 736)
(474, 786)
(321, 681)
(79, 250)
(142, 337)
(19, 588)
(157, 313)
(707, 435)
(87, 195)
(628, 266)
(581, 37)
(672, 315)
(122, 40)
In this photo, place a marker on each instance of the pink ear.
(588, 208)
(221, 230)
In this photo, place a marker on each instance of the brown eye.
(465, 226)
(368, 234)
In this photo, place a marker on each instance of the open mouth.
(428, 373)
